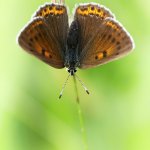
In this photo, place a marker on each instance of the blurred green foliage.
(116, 113)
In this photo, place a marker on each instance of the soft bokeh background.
(116, 113)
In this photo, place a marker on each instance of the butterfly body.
(72, 56)
(93, 38)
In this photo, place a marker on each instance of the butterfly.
(93, 38)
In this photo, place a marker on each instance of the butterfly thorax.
(71, 59)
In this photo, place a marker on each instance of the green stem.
(83, 131)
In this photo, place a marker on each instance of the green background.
(116, 113)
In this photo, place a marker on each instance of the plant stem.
(82, 127)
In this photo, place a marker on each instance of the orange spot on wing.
(110, 51)
(100, 55)
(34, 25)
(91, 9)
(111, 24)
(54, 10)
(47, 54)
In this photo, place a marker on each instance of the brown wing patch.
(56, 17)
(35, 39)
(45, 36)
(50, 9)
(93, 9)
(109, 43)
(90, 17)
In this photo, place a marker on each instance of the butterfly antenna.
(85, 88)
(64, 85)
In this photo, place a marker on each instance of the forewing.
(45, 35)
(104, 39)
(89, 17)
(57, 19)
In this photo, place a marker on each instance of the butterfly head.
(72, 66)
(72, 71)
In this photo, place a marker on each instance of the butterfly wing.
(45, 36)
(103, 39)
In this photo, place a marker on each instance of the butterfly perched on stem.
(93, 38)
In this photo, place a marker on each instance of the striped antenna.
(64, 85)
(83, 85)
